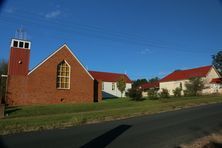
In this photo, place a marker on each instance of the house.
(109, 83)
(178, 78)
(149, 85)
(60, 78)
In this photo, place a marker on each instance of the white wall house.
(110, 89)
(180, 77)
(109, 83)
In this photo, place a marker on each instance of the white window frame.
(63, 76)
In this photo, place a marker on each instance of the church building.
(60, 78)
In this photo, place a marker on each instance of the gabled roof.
(186, 74)
(109, 77)
(149, 85)
(54, 54)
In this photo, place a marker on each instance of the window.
(21, 44)
(113, 86)
(26, 45)
(15, 44)
(63, 75)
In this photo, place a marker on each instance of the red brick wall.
(100, 91)
(39, 87)
(16, 55)
(16, 89)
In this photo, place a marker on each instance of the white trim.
(24, 41)
(65, 76)
(54, 54)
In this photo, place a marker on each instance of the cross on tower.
(20, 33)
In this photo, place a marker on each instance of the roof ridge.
(194, 68)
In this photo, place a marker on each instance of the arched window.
(63, 75)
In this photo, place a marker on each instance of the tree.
(164, 93)
(152, 93)
(138, 82)
(135, 94)
(177, 92)
(155, 79)
(194, 86)
(121, 85)
(217, 61)
(3, 71)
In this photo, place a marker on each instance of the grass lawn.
(32, 118)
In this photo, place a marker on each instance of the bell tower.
(19, 55)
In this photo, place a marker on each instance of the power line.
(67, 29)
(93, 32)
(82, 26)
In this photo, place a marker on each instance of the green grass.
(31, 118)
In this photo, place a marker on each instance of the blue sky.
(144, 38)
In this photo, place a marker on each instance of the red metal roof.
(149, 85)
(109, 77)
(216, 80)
(186, 74)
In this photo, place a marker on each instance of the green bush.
(164, 93)
(177, 92)
(135, 94)
(152, 94)
(194, 86)
(186, 93)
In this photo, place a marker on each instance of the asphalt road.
(164, 130)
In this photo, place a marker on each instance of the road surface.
(164, 130)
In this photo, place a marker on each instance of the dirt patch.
(211, 141)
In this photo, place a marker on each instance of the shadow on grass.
(111, 98)
(138, 100)
(105, 139)
(10, 110)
